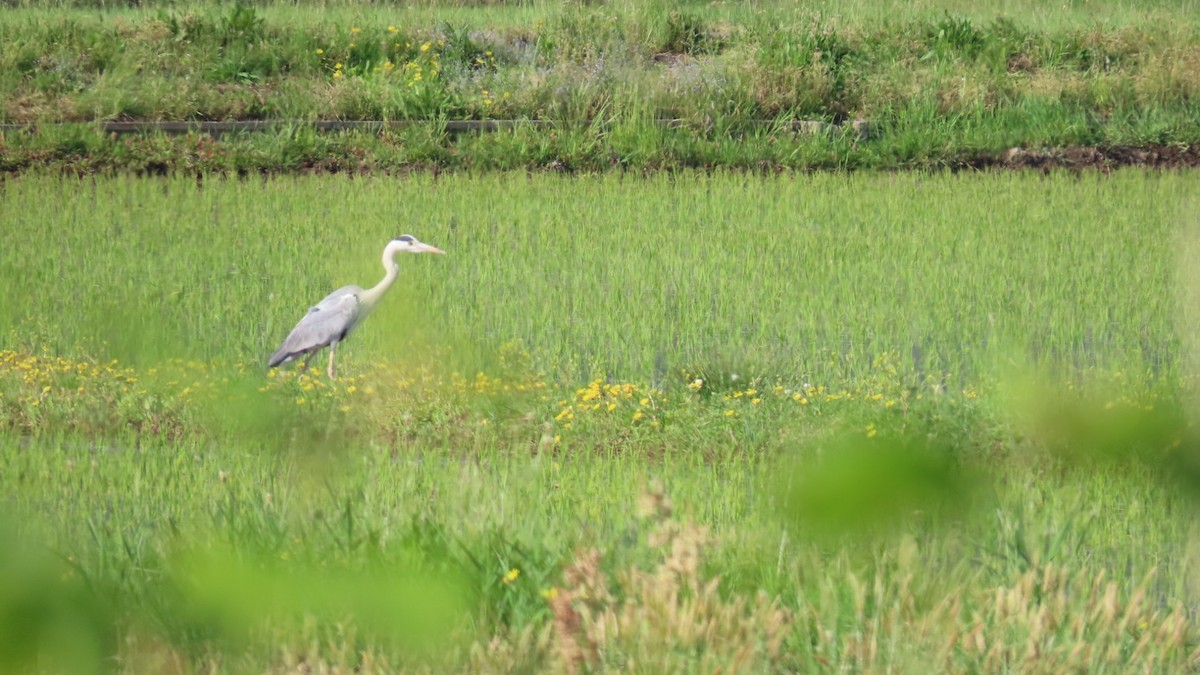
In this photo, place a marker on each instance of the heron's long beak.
(426, 248)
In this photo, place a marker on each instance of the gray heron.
(329, 321)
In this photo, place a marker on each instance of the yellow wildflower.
(511, 576)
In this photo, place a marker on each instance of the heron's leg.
(304, 366)
(332, 351)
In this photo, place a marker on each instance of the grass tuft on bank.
(940, 87)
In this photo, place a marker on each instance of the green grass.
(504, 14)
(958, 436)
(629, 278)
(126, 524)
(942, 84)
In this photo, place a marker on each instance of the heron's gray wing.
(326, 322)
(334, 298)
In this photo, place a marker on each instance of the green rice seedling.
(692, 340)
(803, 278)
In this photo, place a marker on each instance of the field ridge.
(943, 87)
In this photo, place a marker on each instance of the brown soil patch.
(1086, 157)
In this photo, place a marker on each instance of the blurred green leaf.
(236, 594)
(870, 482)
(49, 619)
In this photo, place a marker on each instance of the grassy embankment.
(468, 492)
(943, 84)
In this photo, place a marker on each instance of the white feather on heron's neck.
(369, 297)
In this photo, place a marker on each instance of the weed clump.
(670, 617)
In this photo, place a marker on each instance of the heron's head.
(406, 243)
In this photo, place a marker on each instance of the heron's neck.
(373, 294)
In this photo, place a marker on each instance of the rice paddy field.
(691, 422)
